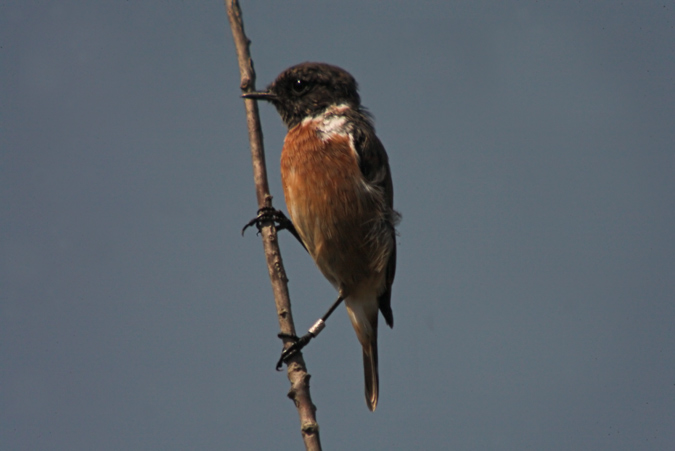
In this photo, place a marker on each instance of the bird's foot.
(278, 220)
(298, 344)
(268, 214)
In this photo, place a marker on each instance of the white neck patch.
(331, 122)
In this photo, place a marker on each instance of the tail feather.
(362, 312)
(371, 374)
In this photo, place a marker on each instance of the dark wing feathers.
(374, 165)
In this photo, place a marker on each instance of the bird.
(339, 194)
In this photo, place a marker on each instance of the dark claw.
(298, 344)
(264, 214)
(277, 218)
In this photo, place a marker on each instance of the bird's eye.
(299, 86)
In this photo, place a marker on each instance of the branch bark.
(296, 369)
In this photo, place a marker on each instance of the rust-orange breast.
(325, 197)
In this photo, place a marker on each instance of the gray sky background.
(532, 150)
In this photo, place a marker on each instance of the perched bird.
(339, 195)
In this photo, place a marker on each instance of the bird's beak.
(260, 95)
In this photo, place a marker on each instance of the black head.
(307, 90)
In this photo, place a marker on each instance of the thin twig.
(296, 370)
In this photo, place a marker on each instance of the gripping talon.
(278, 220)
(249, 224)
(264, 213)
(293, 349)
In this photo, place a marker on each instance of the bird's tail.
(371, 374)
(363, 315)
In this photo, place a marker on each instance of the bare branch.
(296, 370)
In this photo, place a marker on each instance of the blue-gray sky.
(532, 146)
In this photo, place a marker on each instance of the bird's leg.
(299, 343)
(277, 218)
